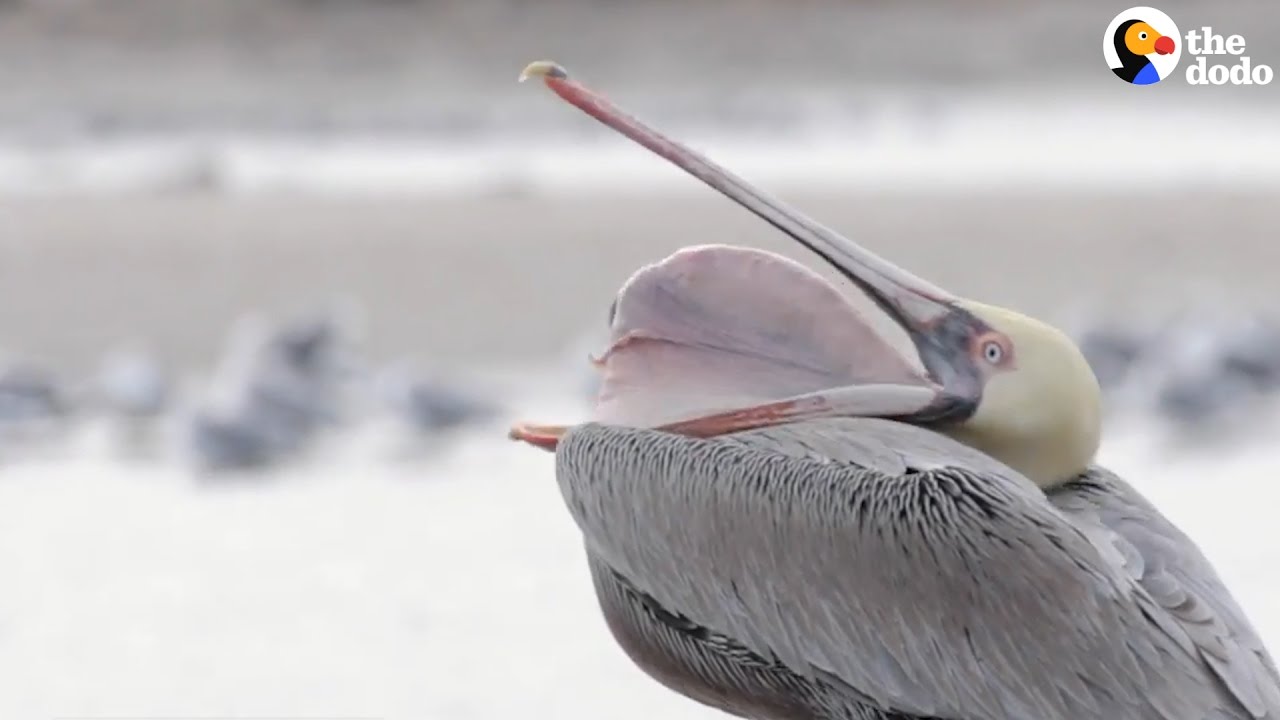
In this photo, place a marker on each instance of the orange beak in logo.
(1164, 45)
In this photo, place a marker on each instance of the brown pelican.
(784, 519)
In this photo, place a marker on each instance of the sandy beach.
(459, 280)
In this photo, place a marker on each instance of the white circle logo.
(1142, 46)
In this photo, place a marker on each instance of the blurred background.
(276, 276)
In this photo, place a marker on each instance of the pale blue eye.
(993, 352)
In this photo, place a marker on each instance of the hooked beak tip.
(543, 69)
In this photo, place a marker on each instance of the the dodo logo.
(1142, 46)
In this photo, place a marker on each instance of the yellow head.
(1040, 410)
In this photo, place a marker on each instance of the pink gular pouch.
(716, 328)
(718, 339)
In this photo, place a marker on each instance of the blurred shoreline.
(988, 141)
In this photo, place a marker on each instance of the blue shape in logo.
(1147, 76)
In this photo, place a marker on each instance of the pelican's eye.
(1142, 36)
(994, 349)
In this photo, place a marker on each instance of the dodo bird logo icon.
(1142, 46)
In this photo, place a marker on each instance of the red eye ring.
(994, 349)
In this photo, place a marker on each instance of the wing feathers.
(1191, 602)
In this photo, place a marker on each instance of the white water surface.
(960, 143)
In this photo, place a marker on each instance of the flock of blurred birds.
(1210, 376)
(281, 387)
(278, 389)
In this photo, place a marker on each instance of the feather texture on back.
(888, 569)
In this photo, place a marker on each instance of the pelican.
(787, 520)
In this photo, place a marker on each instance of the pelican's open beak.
(718, 339)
